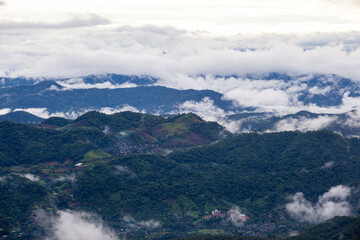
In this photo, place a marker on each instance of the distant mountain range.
(110, 93)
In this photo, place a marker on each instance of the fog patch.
(133, 223)
(124, 170)
(3, 178)
(67, 178)
(106, 130)
(330, 204)
(328, 165)
(30, 177)
(236, 217)
(72, 225)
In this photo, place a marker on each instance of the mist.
(330, 204)
(72, 225)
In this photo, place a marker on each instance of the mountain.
(72, 97)
(323, 90)
(121, 133)
(238, 184)
(55, 98)
(21, 117)
(6, 82)
(333, 229)
(346, 123)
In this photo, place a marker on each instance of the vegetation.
(256, 172)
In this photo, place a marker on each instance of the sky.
(168, 39)
(188, 44)
(215, 16)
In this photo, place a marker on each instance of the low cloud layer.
(304, 124)
(71, 225)
(78, 83)
(44, 113)
(330, 204)
(188, 60)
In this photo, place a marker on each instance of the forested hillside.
(242, 185)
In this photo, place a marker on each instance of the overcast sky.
(168, 39)
(216, 16)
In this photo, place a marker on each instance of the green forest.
(173, 172)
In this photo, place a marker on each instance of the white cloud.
(133, 223)
(318, 91)
(71, 225)
(31, 177)
(124, 170)
(236, 217)
(330, 204)
(353, 118)
(86, 20)
(205, 109)
(78, 83)
(5, 111)
(70, 178)
(123, 108)
(328, 165)
(184, 59)
(44, 112)
(40, 112)
(304, 124)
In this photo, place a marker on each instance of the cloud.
(345, 2)
(3, 178)
(31, 177)
(330, 204)
(353, 119)
(86, 20)
(236, 217)
(304, 124)
(190, 60)
(123, 108)
(2, 3)
(78, 83)
(44, 112)
(328, 165)
(171, 53)
(71, 225)
(205, 109)
(5, 111)
(70, 178)
(124, 170)
(40, 112)
(133, 223)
